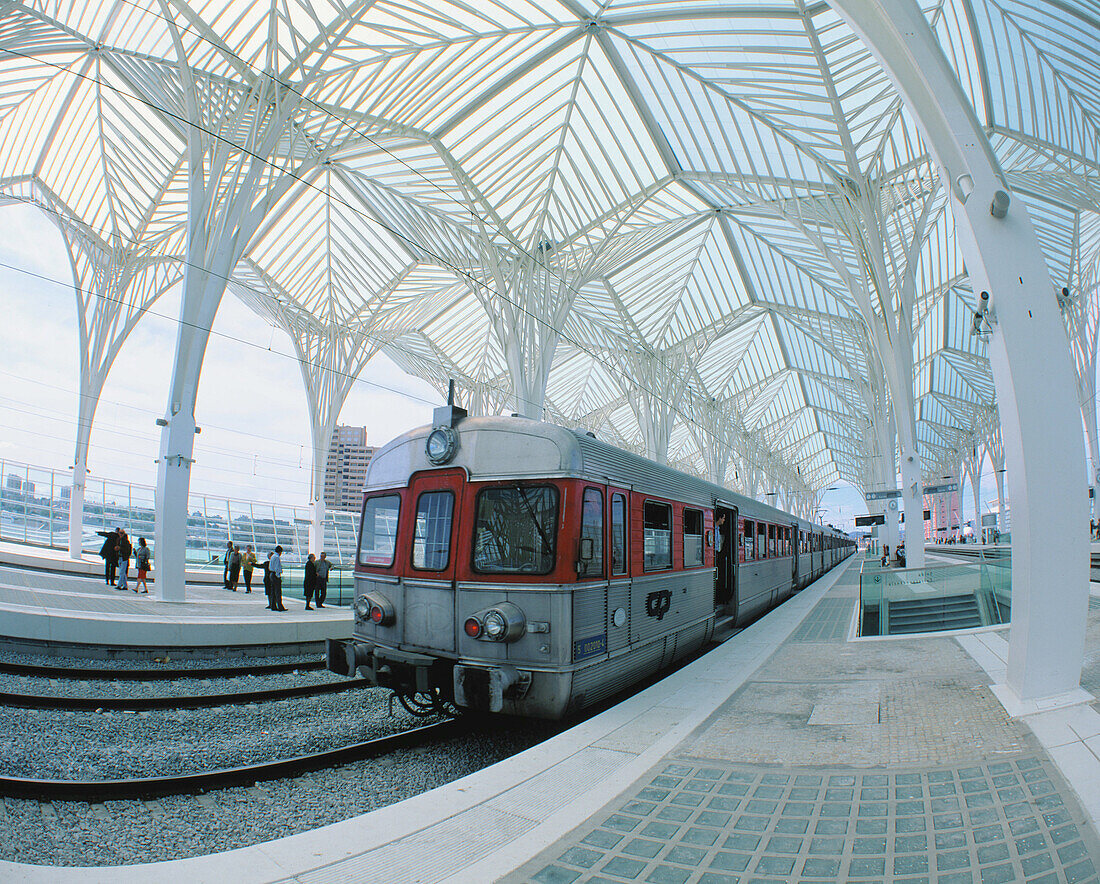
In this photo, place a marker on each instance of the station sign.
(941, 489)
(862, 521)
(882, 495)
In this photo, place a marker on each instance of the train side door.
(618, 586)
(435, 500)
(725, 557)
(793, 550)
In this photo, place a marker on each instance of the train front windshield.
(515, 529)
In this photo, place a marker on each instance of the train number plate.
(590, 647)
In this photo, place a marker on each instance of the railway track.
(108, 674)
(193, 783)
(194, 701)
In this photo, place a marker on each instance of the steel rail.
(183, 784)
(108, 674)
(193, 701)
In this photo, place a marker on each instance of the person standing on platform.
(234, 568)
(323, 567)
(309, 581)
(109, 553)
(141, 558)
(225, 563)
(124, 550)
(267, 581)
(275, 568)
(248, 565)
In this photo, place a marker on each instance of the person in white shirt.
(275, 568)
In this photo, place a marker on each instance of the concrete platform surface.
(46, 597)
(786, 754)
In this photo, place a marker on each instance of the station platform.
(790, 753)
(48, 600)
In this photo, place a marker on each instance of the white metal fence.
(34, 508)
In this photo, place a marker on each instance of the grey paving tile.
(942, 826)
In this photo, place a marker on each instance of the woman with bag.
(142, 559)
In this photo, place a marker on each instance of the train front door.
(725, 559)
(434, 503)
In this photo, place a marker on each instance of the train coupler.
(486, 690)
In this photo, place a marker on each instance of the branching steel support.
(1040, 417)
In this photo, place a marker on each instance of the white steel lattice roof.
(650, 212)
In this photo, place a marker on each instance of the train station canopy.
(669, 222)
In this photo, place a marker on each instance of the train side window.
(618, 534)
(693, 538)
(786, 541)
(591, 530)
(378, 530)
(749, 540)
(761, 540)
(515, 530)
(432, 532)
(656, 536)
(771, 542)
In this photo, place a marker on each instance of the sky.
(255, 441)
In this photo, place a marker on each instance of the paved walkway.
(878, 760)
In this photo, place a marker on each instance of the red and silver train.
(507, 565)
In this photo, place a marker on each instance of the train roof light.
(441, 445)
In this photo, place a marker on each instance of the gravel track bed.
(127, 832)
(177, 687)
(182, 663)
(54, 744)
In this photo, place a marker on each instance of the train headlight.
(376, 608)
(501, 623)
(495, 625)
(441, 445)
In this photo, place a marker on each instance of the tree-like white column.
(1038, 409)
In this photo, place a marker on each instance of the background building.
(346, 468)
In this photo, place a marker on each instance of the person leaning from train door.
(323, 567)
(276, 570)
(309, 580)
(721, 552)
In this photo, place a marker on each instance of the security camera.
(985, 299)
(999, 208)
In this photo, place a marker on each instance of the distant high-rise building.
(346, 468)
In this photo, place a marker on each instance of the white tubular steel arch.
(1039, 416)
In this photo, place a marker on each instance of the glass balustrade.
(899, 601)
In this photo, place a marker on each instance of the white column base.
(1018, 708)
(76, 519)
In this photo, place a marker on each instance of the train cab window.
(590, 558)
(618, 534)
(656, 536)
(515, 530)
(748, 540)
(761, 540)
(378, 530)
(693, 538)
(431, 549)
